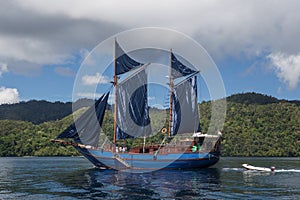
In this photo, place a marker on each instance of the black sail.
(132, 107)
(179, 69)
(86, 129)
(185, 108)
(123, 62)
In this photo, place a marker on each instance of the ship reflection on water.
(111, 184)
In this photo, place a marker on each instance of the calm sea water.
(75, 178)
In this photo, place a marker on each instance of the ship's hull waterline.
(147, 161)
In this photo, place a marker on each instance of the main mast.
(115, 98)
(171, 95)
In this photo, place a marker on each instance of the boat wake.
(232, 169)
(276, 171)
(288, 170)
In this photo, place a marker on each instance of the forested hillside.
(259, 130)
(40, 111)
(262, 127)
(256, 98)
(20, 138)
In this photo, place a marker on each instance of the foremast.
(123, 63)
(115, 84)
(171, 96)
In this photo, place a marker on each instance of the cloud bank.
(48, 32)
(36, 33)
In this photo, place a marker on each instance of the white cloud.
(287, 68)
(8, 95)
(95, 79)
(3, 68)
(64, 71)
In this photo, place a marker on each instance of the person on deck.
(194, 148)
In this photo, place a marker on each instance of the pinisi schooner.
(183, 145)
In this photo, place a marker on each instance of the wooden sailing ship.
(183, 145)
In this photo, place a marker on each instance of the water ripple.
(75, 178)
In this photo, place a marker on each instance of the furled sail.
(185, 104)
(86, 129)
(179, 69)
(123, 62)
(132, 107)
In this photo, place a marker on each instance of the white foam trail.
(276, 170)
(232, 169)
(288, 170)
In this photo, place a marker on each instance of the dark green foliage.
(40, 111)
(255, 98)
(266, 127)
(259, 130)
(19, 138)
(35, 111)
(252, 98)
(256, 130)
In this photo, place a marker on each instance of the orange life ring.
(164, 130)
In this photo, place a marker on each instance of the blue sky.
(255, 44)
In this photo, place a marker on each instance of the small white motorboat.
(251, 167)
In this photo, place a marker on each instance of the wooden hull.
(149, 161)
